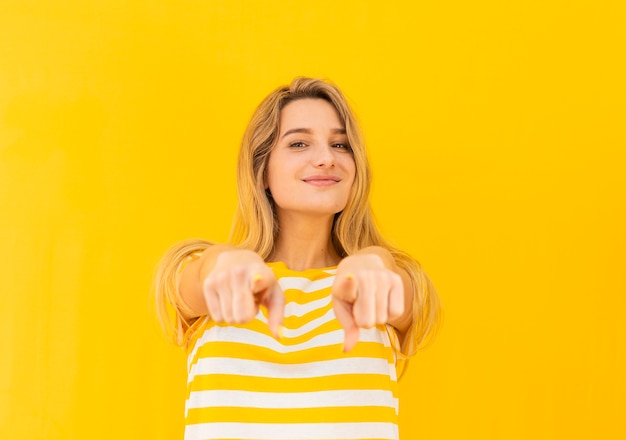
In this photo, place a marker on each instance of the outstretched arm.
(371, 289)
(229, 284)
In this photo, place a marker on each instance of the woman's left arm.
(371, 289)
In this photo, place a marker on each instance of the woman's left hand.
(365, 293)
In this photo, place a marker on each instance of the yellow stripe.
(328, 327)
(286, 385)
(292, 415)
(299, 297)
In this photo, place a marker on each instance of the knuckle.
(250, 315)
(219, 278)
(400, 309)
(396, 310)
(215, 315)
(365, 321)
(397, 279)
(243, 316)
(227, 318)
(238, 271)
(209, 283)
(227, 315)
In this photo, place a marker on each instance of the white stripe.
(309, 326)
(245, 367)
(251, 337)
(304, 284)
(246, 336)
(291, 431)
(313, 399)
(295, 309)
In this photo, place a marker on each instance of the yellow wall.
(497, 135)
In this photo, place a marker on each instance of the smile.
(322, 180)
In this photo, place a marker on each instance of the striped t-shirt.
(244, 384)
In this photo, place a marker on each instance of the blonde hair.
(255, 225)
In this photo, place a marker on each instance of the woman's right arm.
(229, 284)
(190, 282)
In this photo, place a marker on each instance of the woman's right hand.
(236, 284)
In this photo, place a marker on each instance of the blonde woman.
(299, 327)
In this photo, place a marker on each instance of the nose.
(324, 157)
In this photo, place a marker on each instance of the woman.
(299, 326)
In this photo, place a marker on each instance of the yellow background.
(496, 131)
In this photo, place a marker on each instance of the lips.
(321, 180)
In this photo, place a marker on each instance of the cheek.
(269, 175)
(275, 180)
(351, 171)
(350, 168)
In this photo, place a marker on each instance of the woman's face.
(311, 168)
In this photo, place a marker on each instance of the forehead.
(309, 113)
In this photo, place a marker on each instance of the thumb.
(260, 283)
(344, 288)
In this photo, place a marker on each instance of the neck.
(305, 243)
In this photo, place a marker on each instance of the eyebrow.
(309, 131)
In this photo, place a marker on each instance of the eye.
(341, 146)
(297, 144)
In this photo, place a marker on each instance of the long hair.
(255, 225)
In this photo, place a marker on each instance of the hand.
(238, 283)
(365, 293)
